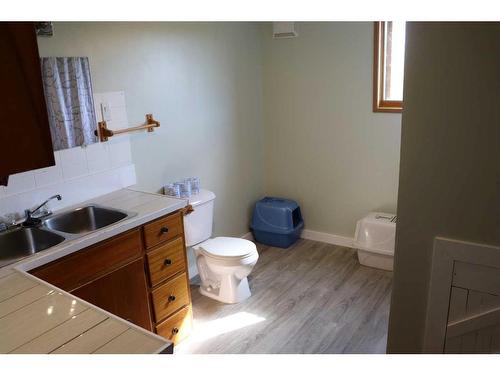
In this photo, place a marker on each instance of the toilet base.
(231, 290)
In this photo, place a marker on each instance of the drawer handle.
(175, 331)
(171, 298)
(163, 230)
(167, 262)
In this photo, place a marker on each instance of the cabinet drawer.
(86, 265)
(177, 327)
(170, 297)
(166, 261)
(163, 229)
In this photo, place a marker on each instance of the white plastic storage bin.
(374, 239)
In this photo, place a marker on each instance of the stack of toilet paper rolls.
(184, 188)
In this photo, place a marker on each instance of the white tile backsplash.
(117, 108)
(114, 98)
(119, 119)
(98, 99)
(49, 176)
(80, 173)
(120, 152)
(98, 158)
(12, 204)
(20, 182)
(127, 175)
(73, 162)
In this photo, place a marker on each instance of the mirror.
(70, 103)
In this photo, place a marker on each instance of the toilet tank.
(198, 224)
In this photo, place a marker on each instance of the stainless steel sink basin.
(84, 219)
(21, 242)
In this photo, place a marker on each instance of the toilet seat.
(228, 248)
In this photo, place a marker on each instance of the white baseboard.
(333, 239)
(308, 234)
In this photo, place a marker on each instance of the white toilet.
(223, 262)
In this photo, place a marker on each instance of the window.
(388, 66)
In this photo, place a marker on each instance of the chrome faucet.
(30, 220)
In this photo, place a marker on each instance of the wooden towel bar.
(104, 133)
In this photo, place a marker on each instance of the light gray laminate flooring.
(310, 298)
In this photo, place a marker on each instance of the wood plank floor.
(310, 298)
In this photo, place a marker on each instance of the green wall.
(325, 146)
(251, 115)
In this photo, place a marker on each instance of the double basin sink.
(20, 242)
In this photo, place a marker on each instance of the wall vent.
(284, 30)
(44, 29)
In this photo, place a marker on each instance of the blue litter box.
(277, 222)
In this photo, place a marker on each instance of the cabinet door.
(25, 141)
(77, 269)
(122, 292)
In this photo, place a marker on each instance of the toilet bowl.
(223, 263)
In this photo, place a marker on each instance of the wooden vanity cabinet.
(140, 275)
(86, 265)
(170, 294)
(123, 292)
(25, 141)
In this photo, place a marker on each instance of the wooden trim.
(379, 104)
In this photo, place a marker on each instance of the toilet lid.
(228, 247)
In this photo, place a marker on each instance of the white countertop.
(50, 309)
(146, 206)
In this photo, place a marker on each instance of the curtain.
(70, 104)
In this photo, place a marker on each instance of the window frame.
(379, 104)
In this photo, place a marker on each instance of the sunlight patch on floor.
(203, 331)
